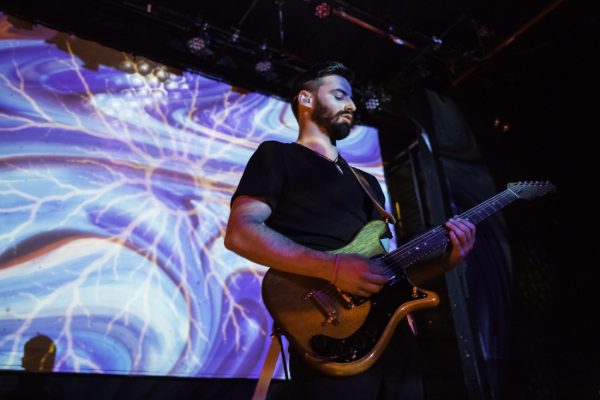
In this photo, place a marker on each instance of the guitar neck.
(432, 241)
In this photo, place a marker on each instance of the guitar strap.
(266, 374)
(387, 217)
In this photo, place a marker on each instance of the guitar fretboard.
(434, 240)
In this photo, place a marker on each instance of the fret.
(436, 239)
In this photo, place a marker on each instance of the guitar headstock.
(531, 189)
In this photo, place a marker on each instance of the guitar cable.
(277, 333)
(283, 358)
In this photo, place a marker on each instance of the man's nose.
(350, 106)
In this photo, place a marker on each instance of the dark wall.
(554, 347)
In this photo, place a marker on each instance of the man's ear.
(305, 98)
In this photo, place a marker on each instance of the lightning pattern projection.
(114, 197)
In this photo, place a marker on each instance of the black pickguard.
(360, 343)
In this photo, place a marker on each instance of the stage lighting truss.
(363, 19)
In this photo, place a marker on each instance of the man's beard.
(329, 121)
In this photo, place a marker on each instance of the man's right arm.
(248, 236)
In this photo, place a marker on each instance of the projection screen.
(114, 197)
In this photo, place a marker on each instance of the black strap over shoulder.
(365, 185)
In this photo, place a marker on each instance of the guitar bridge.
(345, 299)
(322, 302)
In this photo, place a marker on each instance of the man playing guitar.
(298, 202)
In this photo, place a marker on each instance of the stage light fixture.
(263, 66)
(263, 63)
(143, 68)
(127, 66)
(323, 10)
(372, 103)
(373, 98)
(196, 44)
(161, 74)
(502, 125)
(235, 36)
(199, 42)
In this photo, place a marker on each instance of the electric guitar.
(340, 334)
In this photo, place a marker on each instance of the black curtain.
(486, 277)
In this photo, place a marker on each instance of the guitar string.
(439, 232)
(504, 198)
(436, 232)
(504, 195)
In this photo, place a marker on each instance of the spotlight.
(195, 45)
(264, 46)
(199, 42)
(323, 10)
(372, 104)
(263, 66)
(143, 68)
(374, 98)
(235, 36)
(127, 66)
(161, 74)
(263, 63)
(502, 125)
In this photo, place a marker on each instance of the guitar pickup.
(322, 302)
(345, 299)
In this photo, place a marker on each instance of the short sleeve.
(262, 176)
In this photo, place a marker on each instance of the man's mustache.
(345, 113)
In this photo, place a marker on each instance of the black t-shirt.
(311, 202)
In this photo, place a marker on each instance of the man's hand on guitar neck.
(462, 237)
(359, 275)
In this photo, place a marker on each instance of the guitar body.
(336, 333)
(341, 335)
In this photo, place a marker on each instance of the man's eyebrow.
(342, 91)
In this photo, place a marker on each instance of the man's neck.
(315, 139)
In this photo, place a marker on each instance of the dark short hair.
(311, 79)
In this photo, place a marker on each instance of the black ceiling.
(444, 42)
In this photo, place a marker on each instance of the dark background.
(532, 65)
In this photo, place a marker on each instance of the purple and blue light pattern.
(114, 197)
